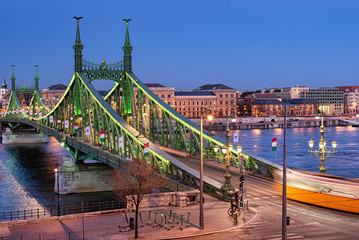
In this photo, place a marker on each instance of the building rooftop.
(348, 88)
(302, 100)
(265, 95)
(155, 85)
(211, 87)
(194, 93)
(56, 87)
(266, 101)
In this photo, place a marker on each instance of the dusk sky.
(184, 44)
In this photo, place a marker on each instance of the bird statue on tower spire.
(127, 49)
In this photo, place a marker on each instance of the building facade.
(274, 107)
(53, 94)
(330, 100)
(3, 91)
(351, 99)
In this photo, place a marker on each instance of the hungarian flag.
(274, 144)
(120, 141)
(88, 131)
(102, 135)
(59, 120)
(35, 113)
(146, 150)
(76, 127)
(236, 137)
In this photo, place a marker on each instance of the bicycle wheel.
(229, 211)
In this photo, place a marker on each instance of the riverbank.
(249, 123)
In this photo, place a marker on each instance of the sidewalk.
(106, 227)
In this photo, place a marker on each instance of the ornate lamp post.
(56, 170)
(227, 187)
(241, 176)
(322, 152)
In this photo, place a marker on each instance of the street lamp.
(322, 152)
(227, 187)
(241, 176)
(56, 170)
(209, 117)
(201, 218)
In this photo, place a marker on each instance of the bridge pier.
(12, 137)
(80, 178)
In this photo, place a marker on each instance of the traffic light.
(241, 178)
(241, 186)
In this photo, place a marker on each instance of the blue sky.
(184, 44)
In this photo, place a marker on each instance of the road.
(307, 221)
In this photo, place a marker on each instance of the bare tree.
(136, 179)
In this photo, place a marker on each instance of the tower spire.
(4, 85)
(78, 47)
(127, 50)
(36, 79)
(13, 78)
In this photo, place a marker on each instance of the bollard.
(188, 224)
(166, 227)
(141, 219)
(132, 223)
(161, 224)
(181, 227)
(149, 217)
(155, 221)
(174, 219)
(235, 217)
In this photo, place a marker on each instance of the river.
(28, 170)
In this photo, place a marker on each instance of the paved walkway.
(106, 226)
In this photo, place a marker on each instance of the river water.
(345, 163)
(28, 178)
(28, 181)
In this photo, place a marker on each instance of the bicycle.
(235, 209)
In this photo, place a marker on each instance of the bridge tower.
(36, 79)
(78, 47)
(127, 50)
(13, 78)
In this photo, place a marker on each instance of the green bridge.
(114, 129)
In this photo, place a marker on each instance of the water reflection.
(29, 177)
(345, 163)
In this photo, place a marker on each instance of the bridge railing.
(95, 151)
(51, 210)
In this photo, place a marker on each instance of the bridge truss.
(115, 129)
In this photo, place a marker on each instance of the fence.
(64, 210)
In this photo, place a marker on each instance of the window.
(226, 95)
(162, 96)
(169, 96)
(221, 95)
(189, 102)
